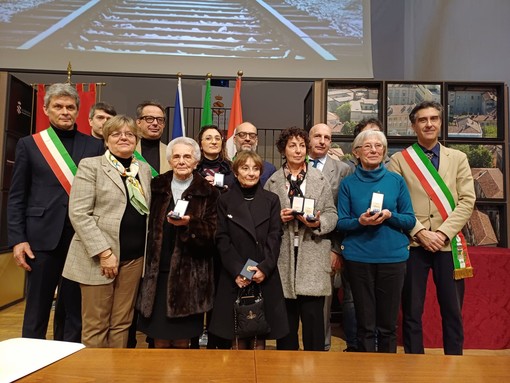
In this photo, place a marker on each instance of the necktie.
(315, 163)
(432, 157)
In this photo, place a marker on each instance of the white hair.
(186, 141)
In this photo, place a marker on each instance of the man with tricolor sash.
(39, 228)
(442, 191)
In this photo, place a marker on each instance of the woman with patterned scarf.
(304, 262)
(108, 207)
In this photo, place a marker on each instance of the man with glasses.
(150, 118)
(442, 191)
(246, 138)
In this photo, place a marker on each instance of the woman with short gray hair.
(375, 213)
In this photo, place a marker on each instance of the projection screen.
(309, 39)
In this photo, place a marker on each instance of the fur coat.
(191, 279)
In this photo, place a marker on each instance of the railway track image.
(270, 29)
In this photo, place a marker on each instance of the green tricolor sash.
(139, 156)
(437, 190)
(57, 157)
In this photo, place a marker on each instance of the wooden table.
(141, 365)
(336, 367)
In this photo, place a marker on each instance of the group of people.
(154, 237)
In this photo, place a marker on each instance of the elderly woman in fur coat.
(304, 261)
(178, 286)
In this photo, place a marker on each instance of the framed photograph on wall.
(401, 98)
(475, 111)
(395, 148)
(487, 167)
(484, 228)
(308, 110)
(342, 151)
(348, 103)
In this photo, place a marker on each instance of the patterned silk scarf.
(294, 184)
(135, 191)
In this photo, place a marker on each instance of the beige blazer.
(454, 170)
(96, 206)
(164, 166)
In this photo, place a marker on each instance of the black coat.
(191, 280)
(249, 231)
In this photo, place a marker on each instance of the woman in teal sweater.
(376, 245)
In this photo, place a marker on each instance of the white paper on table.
(22, 356)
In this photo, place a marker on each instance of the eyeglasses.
(150, 119)
(424, 120)
(128, 135)
(243, 135)
(368, 147)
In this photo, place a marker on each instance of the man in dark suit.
(150, 118)
(334, 171)
(39, 229)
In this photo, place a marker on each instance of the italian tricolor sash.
(139, 156)
(443, 199)
(57, 157)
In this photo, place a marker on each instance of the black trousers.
(311, 312)
(41, 284)
(67, 318)
(450, 296)
(376, 290)
(348, 313)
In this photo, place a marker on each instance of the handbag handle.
(252, 291)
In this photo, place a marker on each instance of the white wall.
(446, 40)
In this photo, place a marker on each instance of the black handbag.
(249, 318)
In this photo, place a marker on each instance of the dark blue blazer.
(37, 203)
(269, 169)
